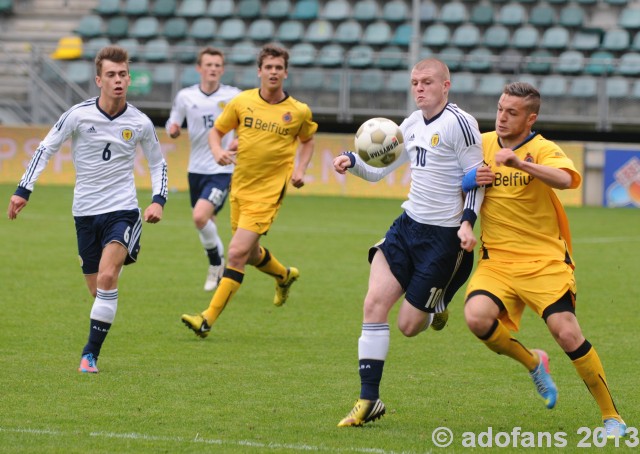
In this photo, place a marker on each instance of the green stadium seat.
(6, 7)
(189, 76)
(377, 33)
(510, 61)
(319, 31)
(482, 14)
(466, 36)
(306, 10)
(478, 60)
(572, 16)
(539, 62)
(186, 51)
(617, 2)
(312, 81)
(155, 50)
(402, 35)
(164, 74)
(202, 29)
(559, 2)
(336, 10)
(247, 78)
(360, 56)
(553, 86)
(496, 36)
(302, 54)
(164, 8)
(629, 18)
(525, 37)
(136, 7)
(261, 30)
(599, 63)
(398, 82)
(90, 26)
(395, 11)
(570, 62)
(249, 9)
(556, 38)
(228, 76)
(428, 12)
(583, 87)
(491, 85)
(366, 10)
(221, 9)
(436, 35)
(331, 55)
(92, 46)
(635, 43)
(453, 13)
(512, 15)
(132, 46)
(290, 31)
(389, 57)
(452, 57)
(629, 64)
(462, 83)
(587, 2)
(586, 40)
(369, 81)
(145, 27)
(175, 28)
(617, 87)
(117, 27)
(527, 78)
(333, 81)
(107, 7)
(348, 32)
(542, 15)
(616, 40)
(81, 72)
(278, 9)
(243, 52)
(192, 8)
(232, 29)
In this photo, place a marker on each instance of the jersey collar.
(531, 135)
(106, 114)
(435, 117)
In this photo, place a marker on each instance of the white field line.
(199, 439)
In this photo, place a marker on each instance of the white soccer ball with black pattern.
(379, 142)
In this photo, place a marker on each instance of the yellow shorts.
(534, 284)
(253, 216)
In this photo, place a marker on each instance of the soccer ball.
(379, 142)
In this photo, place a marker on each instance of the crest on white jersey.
(127, 134)
(435, 140)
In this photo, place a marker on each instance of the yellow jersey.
(267, 143)
(522, 219)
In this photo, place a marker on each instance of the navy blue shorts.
(427, 261)
(95, 232)
(214, 188)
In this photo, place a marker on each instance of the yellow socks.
(270, 265)
(228, 286)
(499, 340)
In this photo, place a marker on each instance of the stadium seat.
(278, 9)
(617, 2)
(90, 26)
(617, 87)
(156, 50)
(553, 86)
(395, 11)
(428, 12)
(192, 8)
(290, 31)
(571, 16)
(462, 83)
(202, 29)
(452, 57)
(331, 55)
(491, 85)
(302, 54)
(247, 78)
(81, 72)
(232, 29)
(402, 35)
(145, 27)
(466, 36)
(107, 7)
(369, 80)
(479, 60)
(164, 8)
(319, 31)
(512, 15)
(249, 9)
(306, 10)
(629, 64)
(527, 78)
(453, 13)
(599, 63)
(436, 35)
(587, 2)
(482, 14)
(629, 18)
(542, 15)
(496, 36)
(510, 61)
(228, 76)
(243, 52)
(525, 37)
(360, 56)
(189, 76)
(583, 87)
(348, 32)
(175, 28)
(556, 38)
(186, 51)
(586, 40)
(117, 27)
(164, 74)
(389, 57)
(539, 62)
(398, 82)
(336, 10)
(559, 2)
(221, 9)
(615, 40)
(262, 30)
(635, 43)
(365, 10)
(132, 46)
(136, 7)
(377, 33)
(570, 62)
(68, 48)
(92, 46)
(307, 81)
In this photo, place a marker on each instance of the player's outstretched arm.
(16, 204)
(341, 163)
(153, 213)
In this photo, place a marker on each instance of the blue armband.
(22, 192)
(351, 156)
(159, 200)
(469, 181)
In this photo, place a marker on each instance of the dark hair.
(209, 51)
(527, 91)
(115, 54)
(272, 50)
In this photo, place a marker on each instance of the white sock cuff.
(374, 341)
(209, 235)
(105, 305)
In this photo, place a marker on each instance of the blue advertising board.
(622, 178)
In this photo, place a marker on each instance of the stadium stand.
(107, 7)
(278, 9)
(221, 9)
(136, 7)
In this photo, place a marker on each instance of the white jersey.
(441, 151)
(103, 152)
(201, 111)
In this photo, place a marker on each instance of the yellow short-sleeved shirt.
(267, 143)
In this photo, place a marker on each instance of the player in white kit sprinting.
(427, 254)
(209, 182)
(104, 132)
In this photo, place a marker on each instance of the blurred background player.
(209, 182)
(526, 251)
(427, 254)
(271, 126)
(105, 132)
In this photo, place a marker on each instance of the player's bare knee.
(410, 328)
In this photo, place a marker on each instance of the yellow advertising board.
(17, 145)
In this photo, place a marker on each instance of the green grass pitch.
(273, 379)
